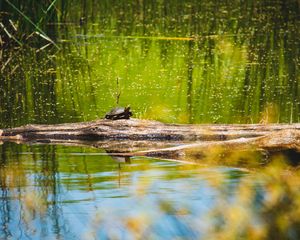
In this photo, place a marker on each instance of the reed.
(32, 18)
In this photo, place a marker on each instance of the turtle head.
(127, 110)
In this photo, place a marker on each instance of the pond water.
(183, 61)
(174, 61)
(56, 192)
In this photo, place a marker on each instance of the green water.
(178, 61)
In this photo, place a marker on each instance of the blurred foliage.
(266, 206)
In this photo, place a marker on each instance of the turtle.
(119, 113)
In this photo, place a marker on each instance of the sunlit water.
(52, 192)
(181, 62)
(173, 61)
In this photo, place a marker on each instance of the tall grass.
(31, 18)
(177, 62)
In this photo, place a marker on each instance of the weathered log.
(285, 141)
(137, 130)
(152, 138)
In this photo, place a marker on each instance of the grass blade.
(10, 35)
(32, 23)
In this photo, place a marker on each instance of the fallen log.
(152, 138)
(137, 130)
(284, 143)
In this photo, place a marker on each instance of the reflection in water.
(75, 193)
(176, 61)
(53, 191)
(179, 62)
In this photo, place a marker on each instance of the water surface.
(183, 61)
(71, 193)
(174, 61)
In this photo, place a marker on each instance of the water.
(60, 192)
(174, 61)
(50, 192)
(178, 62)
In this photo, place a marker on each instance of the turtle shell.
(119, 113)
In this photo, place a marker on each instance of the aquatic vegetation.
(24, 23)
(176, 61)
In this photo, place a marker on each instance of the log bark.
(152, 138)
